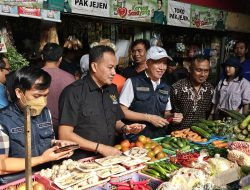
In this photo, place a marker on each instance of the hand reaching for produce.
(157, 121)
(134, 128)
(177, 117)
(108, 150)
(50, 155)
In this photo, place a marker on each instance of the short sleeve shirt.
(91, 110)
(193, 105)
(232, 95)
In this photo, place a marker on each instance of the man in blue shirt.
(4, 70)
(241, 50)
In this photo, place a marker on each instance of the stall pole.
(28, 172)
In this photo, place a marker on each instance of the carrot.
(217, 142)
(222, 145)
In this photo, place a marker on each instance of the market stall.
(209, 155)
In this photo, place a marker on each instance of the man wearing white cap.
(145, 97)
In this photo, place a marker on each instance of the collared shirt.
(127, 94)
(3, 96)
(192, 104)
(232, 95)
(91, 111)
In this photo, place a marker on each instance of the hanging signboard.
(51, 15)
(243, 23)
(232, 21)
(207, 18)
(24, 3)
(59, 5)
(139, 10)
(29, 12)
(178, 14)
(9, 10)
(91, 7)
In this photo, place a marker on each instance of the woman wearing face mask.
(232, 92)
(30, 88)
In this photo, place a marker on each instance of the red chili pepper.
(119, 183)
(170, 119)
(124, 188)
(144, 182)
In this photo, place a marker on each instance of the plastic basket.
(48, 186)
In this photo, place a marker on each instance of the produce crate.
(48, 186)
(153, 183)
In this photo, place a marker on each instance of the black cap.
(233, 62)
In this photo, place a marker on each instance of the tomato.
(160, 155)
(142, 139)
(139, 144)
(147, 146)
(39, 186)
(148, 140)
(151, 154)
(125, 143)
(118, 146)
(157, 149)
(124, 149)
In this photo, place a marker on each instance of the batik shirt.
(193, 104)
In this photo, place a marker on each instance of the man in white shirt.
(145, 97)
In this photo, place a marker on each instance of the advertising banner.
(91, 7)
(51, 15)
(232, 21)
(9, 10)
(24, 3)
(139, 10)
(207, 18)
(178, 14)
(29, 12)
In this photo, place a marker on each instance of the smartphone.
(68, 147)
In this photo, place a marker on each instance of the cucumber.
(247, 139)
(174, 145)
(167, 146)
(209, 123)
(185, 148)
(201, 132)
(203, 126)
(237, 114)
(245, 122)
(237, 130)
(232, 115)
(241, 137)
(248, 127)
(245, 132)
(179, 143)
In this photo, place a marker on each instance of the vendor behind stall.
(30, 88)
(232, 92)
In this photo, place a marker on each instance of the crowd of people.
(154, 97)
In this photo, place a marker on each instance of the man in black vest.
(145, 98)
